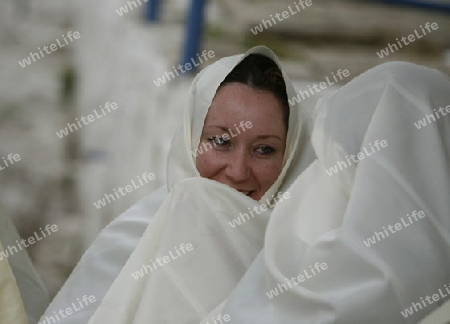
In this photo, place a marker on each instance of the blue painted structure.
(430, 5)
(152, 10)
(194, 31)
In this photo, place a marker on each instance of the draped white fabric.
(20, 286)
(332, 217)
(12, 309)
(104, 260)
(321, 234)
(196, 212)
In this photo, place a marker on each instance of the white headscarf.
(197, 212)
(181, 163)
(332, 216)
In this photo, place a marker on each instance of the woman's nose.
(238, 168)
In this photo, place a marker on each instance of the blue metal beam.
(430, 5)
(152, 10)
(194, 31)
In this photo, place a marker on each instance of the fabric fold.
(105, 258)
(12, 309)
(193, 281)
(380, 224)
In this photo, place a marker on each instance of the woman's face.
(249, 157)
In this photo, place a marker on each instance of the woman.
(240, 143)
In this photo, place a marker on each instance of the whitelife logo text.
(314, 271)
(159, 262)
(22, 244)
(316, 88)
(109, 198)
(356, 158)
(299, 6)
(73, 308)
(86, 120)
(11, 158)
(411, 38)
(27, 61)
(378, 236)
(219, 140)
(430, 117)
(180, 69)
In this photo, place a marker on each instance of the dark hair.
(260, 72)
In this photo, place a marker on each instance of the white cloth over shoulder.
(12, 309)
(358, 219)
(191, 282)
(25, 279)
(105, 258)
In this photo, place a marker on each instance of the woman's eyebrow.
(267, 136)
(227, 129)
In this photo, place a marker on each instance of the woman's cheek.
(207, 164)
(268, 172)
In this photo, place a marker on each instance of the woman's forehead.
(240, 99)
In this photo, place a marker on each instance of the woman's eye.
(265, 150)
(219, 141)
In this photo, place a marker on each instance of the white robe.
(104, 259)
(332, 217)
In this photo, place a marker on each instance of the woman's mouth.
(247, 193)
